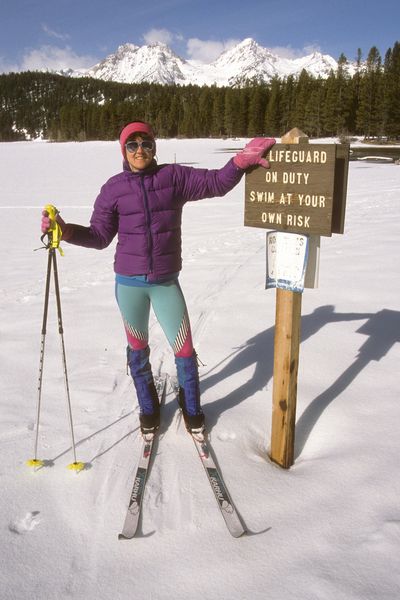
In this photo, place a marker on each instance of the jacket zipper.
(148, 222)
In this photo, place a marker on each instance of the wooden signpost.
(303, 192)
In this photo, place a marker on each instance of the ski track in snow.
(223, 278)
(167, 495)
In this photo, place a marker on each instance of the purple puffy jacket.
(145, 209)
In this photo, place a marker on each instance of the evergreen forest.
(58, 108)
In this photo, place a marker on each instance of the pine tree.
(218, 112)
(301, 97)
(230, 112)
(329, 110)
(257, 101)
(313, 109)
(174, 115)
(391, 93)
(287, 104)
(370, 110)
(355, 86)
(272, 118)
(240, 128)
(343, 96)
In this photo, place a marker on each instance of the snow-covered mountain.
(157, 63)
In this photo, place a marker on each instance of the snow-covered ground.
(327, 529)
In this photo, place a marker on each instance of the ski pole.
(35, 462)
(77, 466)
(54, 238)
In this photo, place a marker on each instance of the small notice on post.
(287, 255)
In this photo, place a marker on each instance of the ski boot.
(149, 405)
(189, 393)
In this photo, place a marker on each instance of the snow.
(327, 529)
(157, 63)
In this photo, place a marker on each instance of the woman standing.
(142, 205)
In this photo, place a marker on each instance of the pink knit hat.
(136, 127)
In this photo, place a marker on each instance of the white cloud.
(54, 34)
(196, 49)
(162, 36)
(54, 58)
(285, 52)
(208, 50)
(293, 53)
(310, 49)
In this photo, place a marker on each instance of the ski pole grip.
(55, 231)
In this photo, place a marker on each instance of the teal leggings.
(134, 301)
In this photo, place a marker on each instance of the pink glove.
(252, 153)
(45, 224)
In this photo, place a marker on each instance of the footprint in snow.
(226, 436)
(27, 523)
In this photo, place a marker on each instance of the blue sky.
(37, 34)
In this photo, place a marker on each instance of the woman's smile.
(139, 158)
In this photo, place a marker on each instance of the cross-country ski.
(136, 498)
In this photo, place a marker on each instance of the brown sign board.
(303, 191)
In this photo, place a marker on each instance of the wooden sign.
(303, 191)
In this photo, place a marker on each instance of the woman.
(143, 206)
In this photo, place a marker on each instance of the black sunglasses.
(147, 146)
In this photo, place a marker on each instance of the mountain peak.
(247, 42)
(158, 63)
(126, 48)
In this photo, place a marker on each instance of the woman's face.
(141, 158)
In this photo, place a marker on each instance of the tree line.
(58, 108)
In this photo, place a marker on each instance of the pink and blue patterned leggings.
(135, 296)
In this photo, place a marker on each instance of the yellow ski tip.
(35, 462)
(76, 466)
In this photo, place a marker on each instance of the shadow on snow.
(382, 329)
